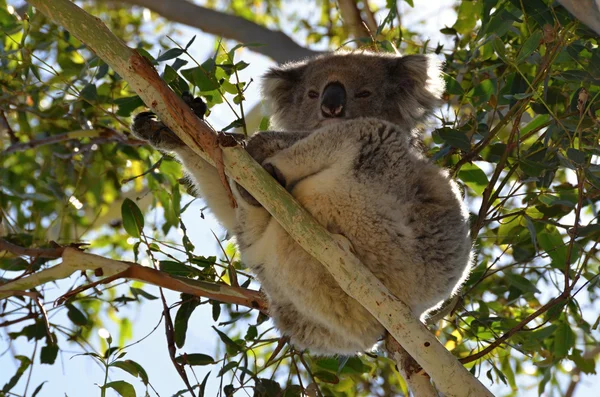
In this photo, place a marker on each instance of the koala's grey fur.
(361, 176)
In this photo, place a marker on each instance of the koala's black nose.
(333, 100)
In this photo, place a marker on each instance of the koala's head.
(336, 87)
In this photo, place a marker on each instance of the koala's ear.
(419, 81)
(279, 83)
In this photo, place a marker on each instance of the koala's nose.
(333, 100)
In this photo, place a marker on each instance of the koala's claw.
(275, 173)
(226, 139)
(197, 104)
(146, 126)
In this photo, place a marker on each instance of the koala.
(345, 145)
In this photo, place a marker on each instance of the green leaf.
(241, 65)
(48, 353)
(25, 363)
(232, 347)
(537, 122)
(76, 315)
(473, 177)
(132, 368)
(123, 388)
(520, 283)
(448, 31)
(89, 93)
(13, 264)
(140, 292)
(482, 92)
(453, 87)
(469, 13)
(532, 231)
(293, 391)
(577, 156)
(178, 269)
(182, 317)
(564, 340)
(327, 377)
(38, 389)
(530, 45)
(264, 124)
(455, 138)
(227, 367)
(586, 365)
(552, 243)
(216, 310)
(133, 220)
(170, 54)
(251, 333)
(189, 44)
(201, 78)
(498, 45)
(128, 104)
(195, 359)
(511, 230)
(267, 388)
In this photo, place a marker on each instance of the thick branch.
(417, 380)
(277, 45)
(354, 278)
(587, 11)
(353, 21)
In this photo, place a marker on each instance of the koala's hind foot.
(146, 126)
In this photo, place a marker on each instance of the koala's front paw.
(261, 146)
(147, 127)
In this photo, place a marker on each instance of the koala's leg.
(205, 176)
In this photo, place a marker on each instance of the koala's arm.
(333, 146)
(205, 177)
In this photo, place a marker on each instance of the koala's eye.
(313, 94)
(363, 94)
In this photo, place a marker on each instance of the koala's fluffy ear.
(418, 79)
(279, 83)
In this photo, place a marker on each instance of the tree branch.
(370, 17)
(587, 11)
(74, 260)
(353, 21)
(335, 254)
(277, 45)
(417, 380)
(79, 134)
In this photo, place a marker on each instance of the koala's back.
(407, 225)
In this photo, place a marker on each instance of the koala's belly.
(378, 226)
